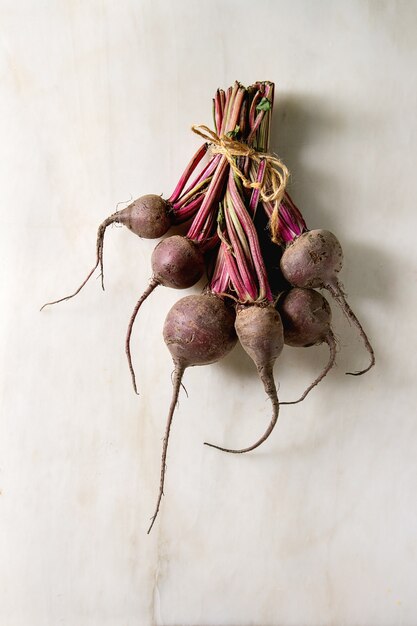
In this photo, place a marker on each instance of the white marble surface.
(319, 526)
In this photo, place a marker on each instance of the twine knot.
(272, 186)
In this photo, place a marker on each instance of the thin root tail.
(178, 374)
(99, 261)
(267, 377)
(337, 293)
(152, 284)
(331, 342)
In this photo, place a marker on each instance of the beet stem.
(205, 175)
(267, 377)
(152, 284)
(178, 374)
(337, 293)
(331, 342)
(187, 173)
(253, 241)
(99, 260)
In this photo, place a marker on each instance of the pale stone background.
(319, 526)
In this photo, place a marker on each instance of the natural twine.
(276, 174)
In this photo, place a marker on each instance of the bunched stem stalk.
(187, 173)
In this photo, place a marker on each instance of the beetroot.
(313, 259)
(306, 318)
(148, 217)
(177, 262)
(260, 332)
(198, 330)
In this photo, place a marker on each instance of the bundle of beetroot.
(231, 189)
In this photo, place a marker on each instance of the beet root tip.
(153, 283)
(178, 374)
(337, 292)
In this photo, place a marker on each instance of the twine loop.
(272, 187)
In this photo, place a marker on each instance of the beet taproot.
(306, 318)
(148, 217)
(198, 330)
(176, 262)
(314, 260)
(260, 333)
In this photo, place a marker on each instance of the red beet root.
(306, 318)
(260, 332)
(177, 262)
(313, 260)
(147, 217)
(198, 330)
